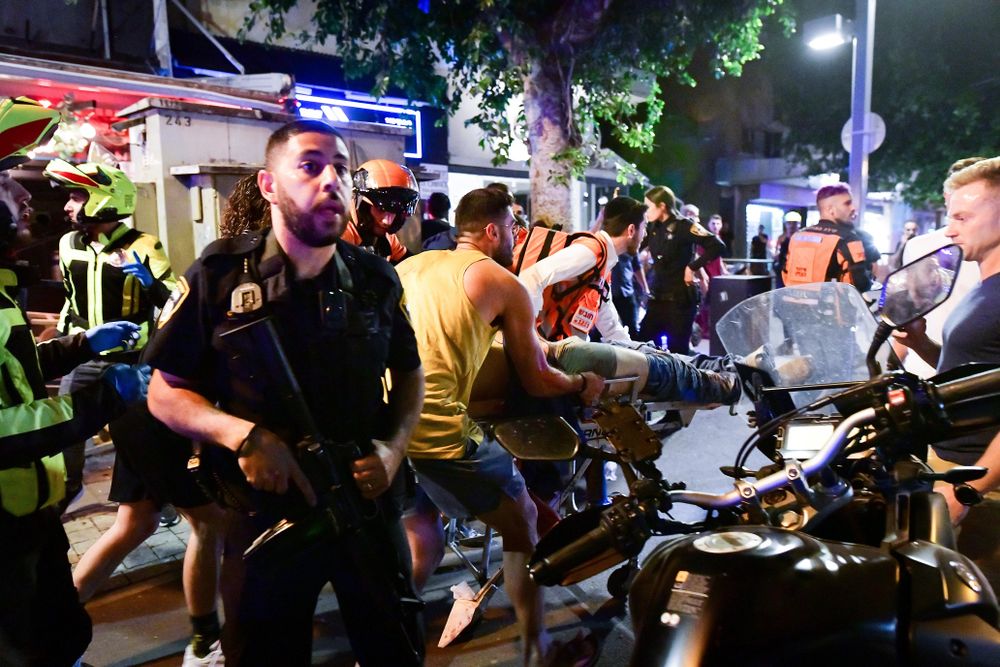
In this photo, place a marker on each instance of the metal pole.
(106, 29)
(210, 37)
(861, 103)
(161, 38)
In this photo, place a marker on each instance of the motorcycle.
(837, 550)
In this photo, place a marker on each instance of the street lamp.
(832, 31)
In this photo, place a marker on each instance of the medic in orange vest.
(385, 194)
(568, 275)
(833, 249)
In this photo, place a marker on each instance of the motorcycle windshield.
(803, 335)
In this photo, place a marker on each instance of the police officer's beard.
(306, 225)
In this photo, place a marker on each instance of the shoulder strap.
(343, 273)
(125, 240)
(538, 245)
(589, 276)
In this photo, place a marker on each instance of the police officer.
(41, 619)
(337, 313)
(110, 272)
(833, 248)
(673, 297)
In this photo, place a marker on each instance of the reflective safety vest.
(569, 308)
(41, 483)
(98, 291)
(819, 256)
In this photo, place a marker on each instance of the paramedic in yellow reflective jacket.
(41, 619)
(111, 272)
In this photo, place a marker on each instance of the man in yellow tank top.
(457, 300)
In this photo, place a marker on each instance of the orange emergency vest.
(569, 308)
(819, 256)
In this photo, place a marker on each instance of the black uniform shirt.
(338, 364)
(671, 244)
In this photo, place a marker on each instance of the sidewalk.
(92, 514)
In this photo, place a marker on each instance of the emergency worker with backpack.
(568, 275)
(833, 249)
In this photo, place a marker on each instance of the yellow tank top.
(453, 342)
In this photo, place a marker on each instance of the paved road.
(145, 623)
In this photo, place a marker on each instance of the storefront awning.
(24, 76)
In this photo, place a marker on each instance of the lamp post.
(832, 31)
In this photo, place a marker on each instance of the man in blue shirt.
(972, 331)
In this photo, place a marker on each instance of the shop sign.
(314, 104)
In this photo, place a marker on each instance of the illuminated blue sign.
(320, 107)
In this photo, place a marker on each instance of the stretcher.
(624, 428)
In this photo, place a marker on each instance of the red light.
(897, 397)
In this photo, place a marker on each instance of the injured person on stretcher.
(661, 375)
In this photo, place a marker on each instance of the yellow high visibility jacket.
(98, 291)
(33, 427)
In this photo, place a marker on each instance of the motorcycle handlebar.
(748, 490)
(970, 401)
(981, 385)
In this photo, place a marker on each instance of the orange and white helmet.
(388, 185)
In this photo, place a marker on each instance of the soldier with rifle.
(271, 353)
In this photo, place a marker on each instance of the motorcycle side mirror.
(919, 287)
(913, 291)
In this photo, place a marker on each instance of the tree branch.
(577, 22)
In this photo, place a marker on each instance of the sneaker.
(213, 658)
(169, 516)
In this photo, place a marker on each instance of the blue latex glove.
(139, 270)
(113, 335)
(131, 382)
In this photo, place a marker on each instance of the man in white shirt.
(570, 289)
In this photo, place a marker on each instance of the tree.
(934, 83)
(574, 61)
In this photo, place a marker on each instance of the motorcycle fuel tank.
(755, 595)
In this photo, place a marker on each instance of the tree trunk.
(546, 111)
